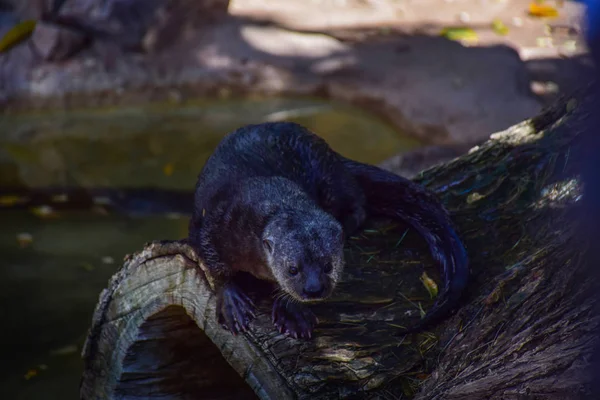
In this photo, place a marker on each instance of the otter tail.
(392, 196)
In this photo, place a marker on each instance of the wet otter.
(276, 201)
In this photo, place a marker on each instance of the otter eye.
(293, 270)
(327, 268)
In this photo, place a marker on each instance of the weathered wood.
(525, 330)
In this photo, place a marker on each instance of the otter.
(274, 200)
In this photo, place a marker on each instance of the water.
(49, 289)
(166, 145)
(50, 286)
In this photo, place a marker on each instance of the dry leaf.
(44, 212)
(430, 285)
(542, 10)
(168, 169)
(88, 267)
(460, 34)
(30, 374)
(12, 200)
(499, 27)
(17, 34)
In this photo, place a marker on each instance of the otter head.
(305, 252)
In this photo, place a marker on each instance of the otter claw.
(235, 309)
(293, 318)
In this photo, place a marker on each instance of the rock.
(31, 9)
(56, 43)
(175, 16)
(142, 24)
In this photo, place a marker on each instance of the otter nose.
(313, 289)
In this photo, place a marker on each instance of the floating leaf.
(102, 201)
(542, 10)
(44, 212)
(30, 374)
(429, 284)
(168, 169)
(108, 260)
(499, 27)
(24, 239)
(63, 351)
(12, 200)
(17, 34)
(88, 267)
(60, 198)
(460, 33)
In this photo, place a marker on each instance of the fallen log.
(525, 330)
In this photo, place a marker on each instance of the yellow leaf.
(168, 169)
(499, 27)
(429, 284)
(88, 267)
(16, 34)
(460, 33)
(44, 212)
(542, 10)
(12, 200)
(30, 374)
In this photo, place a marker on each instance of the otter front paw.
(235, 309)
(293, 318)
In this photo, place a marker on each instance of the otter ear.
(268, 244)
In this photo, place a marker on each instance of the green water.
(166, 145)
(49, 288)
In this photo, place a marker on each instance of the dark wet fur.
(274, 181)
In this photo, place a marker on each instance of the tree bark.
(525, 331)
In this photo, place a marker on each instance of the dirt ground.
(385, 55)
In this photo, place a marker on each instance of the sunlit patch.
(519, 134)
(340, 355)
(560, 194)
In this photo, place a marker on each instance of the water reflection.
(166, 145)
